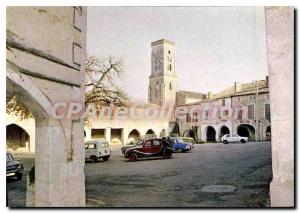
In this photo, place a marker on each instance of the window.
(77, 18)
(223, 102)
(195, 117)
(76, 54)
(240, 114)
(147, 144)
(90, 146)
(225, 113)
(188, 118)
(156, 143)
(206, 115)
(267, 112)
(170, 86)
(170, 67)
(251, 111)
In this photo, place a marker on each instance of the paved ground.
(177, 182)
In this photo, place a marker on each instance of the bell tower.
(162, 81)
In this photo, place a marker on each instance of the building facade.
(243, 109)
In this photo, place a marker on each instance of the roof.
(161, 41)
(245, 89)
(196, 95)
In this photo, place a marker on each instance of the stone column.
(280, 50)
(88, 133)
(58, 168)
(108, 134)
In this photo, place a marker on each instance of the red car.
(151, 148)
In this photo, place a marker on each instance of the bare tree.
(100, 82)
(100, 86)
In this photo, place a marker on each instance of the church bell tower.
(162, 81)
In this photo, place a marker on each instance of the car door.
(156, 146)
(228, 138)
(236, 138)
(147, 146)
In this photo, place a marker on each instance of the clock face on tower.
(157, 61)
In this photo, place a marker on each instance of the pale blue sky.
(215, 46)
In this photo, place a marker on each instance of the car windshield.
(104, 145)
(9, 157)
(179, 140)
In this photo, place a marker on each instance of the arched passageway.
(134, 136)
(17, 138)
(224, 130)
(150, 134)
(190, 133)
(210, 134)
(246, 130)
(116, 136)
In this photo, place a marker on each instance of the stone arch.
(28, 93)
(224, 130)
(210, 134)
(133, 136)
(246, 130)
(150, 133)
(268, 132)
(190, 133)
(17, 138)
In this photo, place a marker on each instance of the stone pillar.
(59, 165)
(280, 50)
(108, 134)
(88, 134)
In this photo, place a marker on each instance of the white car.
(230, 138)
(97, 149)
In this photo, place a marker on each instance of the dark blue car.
(180, 146)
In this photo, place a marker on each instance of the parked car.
(14, 168)
(230, 138)
(125, 147)
(188, 140)
(179, 145)
(97, 149)
(151, 148)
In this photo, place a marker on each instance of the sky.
(215, 46)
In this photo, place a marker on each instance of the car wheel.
(167, 155)
(132, 157)
(19, 176)
(105, 158)
(243, 141)
(94, 159)
(225, 142)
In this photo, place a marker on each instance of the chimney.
(237, 87)
(267, 81)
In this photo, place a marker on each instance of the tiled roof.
(195, 95)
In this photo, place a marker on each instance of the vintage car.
(97, 149)
(14, 168)
(125, 147)
(180, 146)
(231, 138)
(188, 140)
(151, 148)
